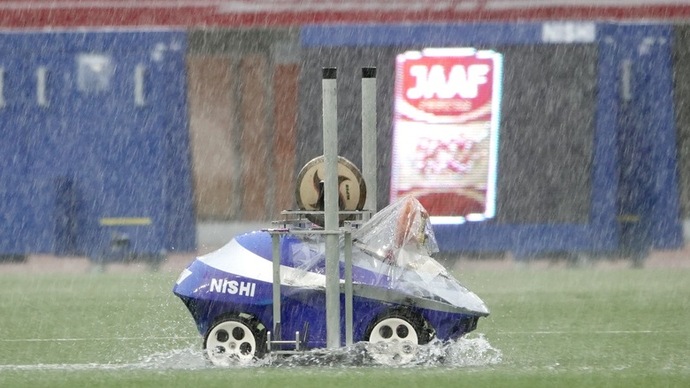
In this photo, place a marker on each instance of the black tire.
(235, 338)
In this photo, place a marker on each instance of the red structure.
(275, 13)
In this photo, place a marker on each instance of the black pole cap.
(329, 72)
(368, 72)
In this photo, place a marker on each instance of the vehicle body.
(402, 297)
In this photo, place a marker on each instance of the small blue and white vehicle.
(401, 296)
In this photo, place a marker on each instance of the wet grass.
(553, 327)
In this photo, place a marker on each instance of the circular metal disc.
(352, 191)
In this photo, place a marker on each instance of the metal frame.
(347, 287)
(331, 214)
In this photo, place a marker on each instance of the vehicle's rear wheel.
(235, 340)
(394, 338)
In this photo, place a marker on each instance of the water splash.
(464, 352)
(470, 351)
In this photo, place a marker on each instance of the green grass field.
(551, 327)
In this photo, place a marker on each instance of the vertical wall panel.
(285, 81)
(212, 122)
(247, 124)
(681, 87)
(256, 157)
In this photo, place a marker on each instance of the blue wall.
(89, 160)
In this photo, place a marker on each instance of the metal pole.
(348, 288)
(275, 238)
(330, 151)
(369, 163)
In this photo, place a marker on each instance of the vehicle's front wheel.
(235, 340)
(394, 338)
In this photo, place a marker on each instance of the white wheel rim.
(230, 342)
(393, 342)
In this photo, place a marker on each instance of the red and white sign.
(445, 149)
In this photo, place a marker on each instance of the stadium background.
(246, 115)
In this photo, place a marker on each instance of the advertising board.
(446, 131)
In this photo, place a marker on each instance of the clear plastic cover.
(390, 252)
(399, 236)
(394, 248)
(400, 228)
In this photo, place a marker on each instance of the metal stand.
(369, 136)
(274, 336)
(330, 151)
(331, 214)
